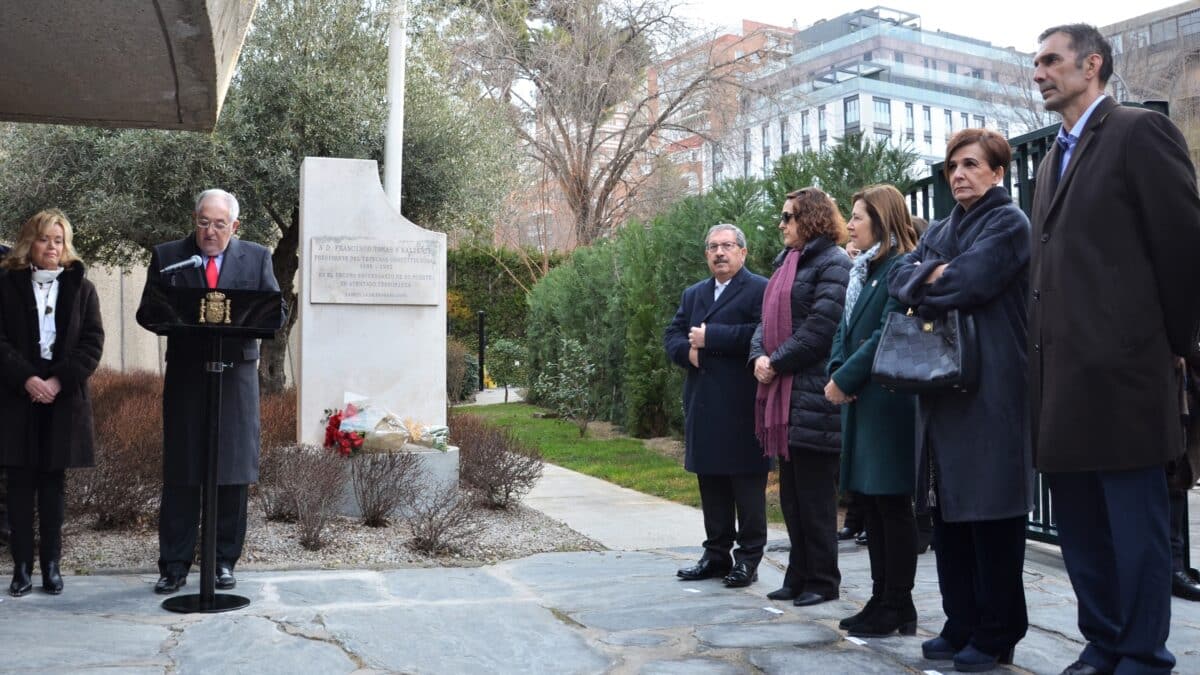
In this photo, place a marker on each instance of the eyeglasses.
(726, 246)
(216, 225)
(787, 217)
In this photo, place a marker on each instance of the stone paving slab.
(590, 612)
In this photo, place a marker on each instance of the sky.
(1015, 23)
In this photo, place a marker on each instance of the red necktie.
(210, 272)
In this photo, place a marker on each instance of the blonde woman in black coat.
(50, 344)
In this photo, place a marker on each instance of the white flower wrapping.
(383, 430)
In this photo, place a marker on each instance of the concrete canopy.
(163, 64)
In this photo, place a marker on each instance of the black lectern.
(211, 315)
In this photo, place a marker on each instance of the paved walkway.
(617, 611)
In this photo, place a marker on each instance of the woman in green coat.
(877, 425)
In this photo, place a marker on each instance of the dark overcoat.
(246, 266)
(980, 442)
(77, 347)
(1114, 293)
(818, 297)
(718, 397)
(877, 427)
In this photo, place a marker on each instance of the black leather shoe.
(807, 599)
(781, 593)
(169, 583)
(225, 580)
(971, 660)
(861, 539)
(847, 533)
(939, 649)
(705, 569)
(52, 581)
(21, 583)
(1186, 584)
(741, 575)
(1081, 668)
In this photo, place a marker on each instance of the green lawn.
(624, 461)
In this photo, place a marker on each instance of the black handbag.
(925, 355)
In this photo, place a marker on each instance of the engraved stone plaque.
(353, 270)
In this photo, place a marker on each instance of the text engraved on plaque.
(374, 271)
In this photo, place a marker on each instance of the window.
(851, 107)
(867, 56)
(908, 117)
(1115, 42)
(1163, 31)
(718, 164)
(883, 112)
(1189, 24)
(882, 137)
(966, 120)
(784, 145)
(931, 65)
(949, 123)
(745, 153)
(1138, 37)
(1003, 129)
(952, 68)
(821, 125)
(980, 122)
(927, 119)
(804, 124)
(928, 144)
(766, 148)
(899, 57)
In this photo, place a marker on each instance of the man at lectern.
(226, 263)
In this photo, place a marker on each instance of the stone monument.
(372, 305)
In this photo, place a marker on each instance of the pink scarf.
(774, 400)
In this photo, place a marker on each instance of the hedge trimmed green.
(616, 297)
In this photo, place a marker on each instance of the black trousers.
(179, 522)
(1114, 534)
(979, 566)
(808, 497)
(25, 486)
(1179, 525)
(735, 509)
(891, 544)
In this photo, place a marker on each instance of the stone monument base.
(439, 468)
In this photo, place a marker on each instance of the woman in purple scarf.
(794, 422)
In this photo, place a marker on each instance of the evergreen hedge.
(616, 297)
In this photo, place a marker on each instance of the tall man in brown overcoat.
(1116, 228)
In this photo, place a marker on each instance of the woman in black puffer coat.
(801, 310)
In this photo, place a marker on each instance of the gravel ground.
(347, 544)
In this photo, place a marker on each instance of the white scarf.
(858, 277)
(45, 293)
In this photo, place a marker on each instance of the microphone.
(191, 263)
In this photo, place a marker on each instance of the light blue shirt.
(1068, 140)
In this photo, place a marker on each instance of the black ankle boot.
(52, 581)
(894, 614)
(853, 621)
(21, 583)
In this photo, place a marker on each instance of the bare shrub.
(278, 415)
(441, 519)
(123, 489)
(311, 479)
(383, 481)
(456, 370)
(271, 491)
(499, 468)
